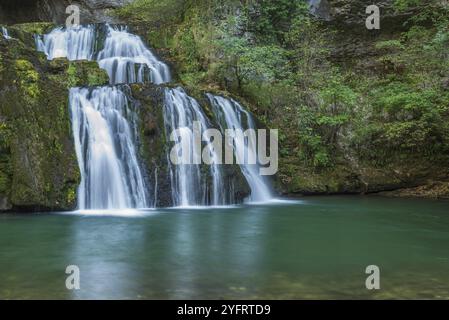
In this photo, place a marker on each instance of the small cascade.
(128, 60)
(5, 33)
(104, 142)
(40, 45)
(123, 55)
(231, 115)
(189, 185)
(75, 43)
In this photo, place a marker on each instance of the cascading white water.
(40, 46)
(110, 173)
(75, 43)
(232, 115)
(104, 129)
(5, 33)
(189, 187)
(126, 59)
(123, 55)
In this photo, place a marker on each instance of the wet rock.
(149, 103)
(352, 13)
(431, 190)
(55, 10)
(38, 166)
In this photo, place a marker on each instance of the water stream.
(231, 115)
(105, 144)
(5, 33)
(110, 174)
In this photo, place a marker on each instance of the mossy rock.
(34, 27)
(77, 73)
(38, 166)
(25, 32)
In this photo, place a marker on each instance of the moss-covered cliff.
(13, 12)
(38, 166)
(358, 110)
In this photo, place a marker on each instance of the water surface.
(312, 248)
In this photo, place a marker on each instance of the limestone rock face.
(91, 11)
(353, 13)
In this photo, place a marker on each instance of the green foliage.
(71, 196)
(72, 78)
(320, 125)
(410, 110)
(409, 120)
(34, 27)
(27, 79)
(402, 5)
(156, 12)
(271, 19)
(259, 64)
(389, 45)
(277, 58)
(80, 73)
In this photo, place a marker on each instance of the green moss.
(82, 73)
(97, 77)
(28, 78)
(34, 27)
(72, 78)
(152, 12)
(77, 73)
(71, 196)
(37, 159)
(24, 65)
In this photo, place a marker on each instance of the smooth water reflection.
(315, 248)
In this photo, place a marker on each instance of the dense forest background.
(358, 110)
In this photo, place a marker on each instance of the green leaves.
(251, 62)
(301, 75)
(403, 5)
(152, 11)
(272, 19)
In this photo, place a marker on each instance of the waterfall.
(127, 59)
(123, 55)
(40, 45)
(5, 33)
(231, 115)
(189, 186)
(101, 118)
(104, 143)
(105, 129)
(75, 43)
